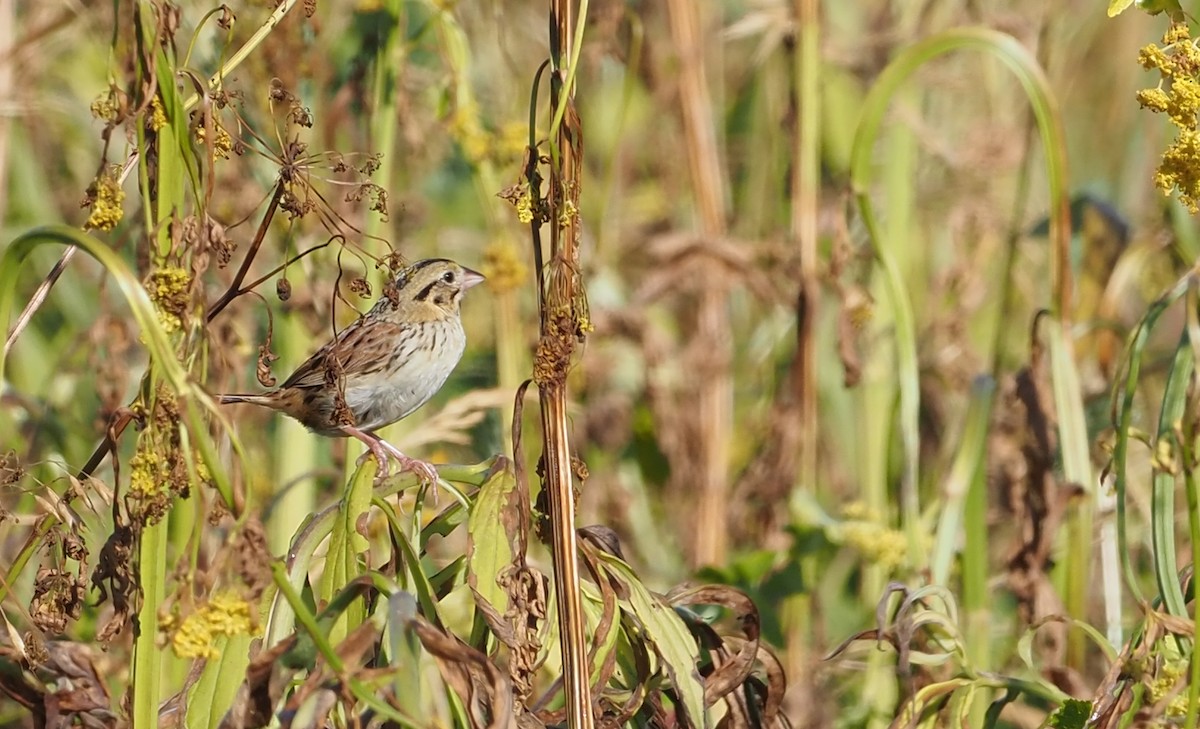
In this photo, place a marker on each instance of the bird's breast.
(415, 370)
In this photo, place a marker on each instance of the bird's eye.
(448, 277)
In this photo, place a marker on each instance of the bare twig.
(235, 287)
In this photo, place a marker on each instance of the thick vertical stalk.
(806, 192)
(561, 316)
(714, 386)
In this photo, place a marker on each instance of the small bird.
(385, 365)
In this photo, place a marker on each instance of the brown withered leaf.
(114, 578)
(10, 469)
(58, 598)
(64, 689)
(253, 558)
(471, 674)
(1023, 448)
(735, 669)
(263, 368)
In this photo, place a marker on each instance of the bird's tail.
(252, 399)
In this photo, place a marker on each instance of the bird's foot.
(423, 470)
(377, 449)
(381, 457)
(381, 449)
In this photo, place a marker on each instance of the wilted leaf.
(669, 635)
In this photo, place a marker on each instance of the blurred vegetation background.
(704, 450)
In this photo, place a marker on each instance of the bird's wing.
(361, 350)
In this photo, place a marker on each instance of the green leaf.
(1150, 7)
(345, 545)
(491, 532)
(1073, 714)
(213, 694)
(1116, 7)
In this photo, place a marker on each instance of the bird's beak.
(471, 278)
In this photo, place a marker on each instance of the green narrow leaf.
(345, 545)
(148, 661)
(1162, 519)
(213, 694)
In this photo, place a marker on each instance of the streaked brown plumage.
(385, 365)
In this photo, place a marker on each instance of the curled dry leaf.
(470, 674)
(736, 667)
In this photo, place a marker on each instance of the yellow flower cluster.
(158, 116)
(1164, 682)
(479, 144)
(503, 267)
(107, 200)
(168, 288)
(147, 472)
(225, 614)
(466, 127)
(1178, 96)
(524, 206)
(222, 145)
(863, 531)
(104, 107)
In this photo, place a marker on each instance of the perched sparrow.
(383, 366)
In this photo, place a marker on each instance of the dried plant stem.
(714, 387)
(561, 312)
(806, 191)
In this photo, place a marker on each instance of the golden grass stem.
(714, 386)
(560, 323)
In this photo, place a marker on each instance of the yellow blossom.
(223, 143)
(169, 288)
(503, 267)
(107, 202)
(146, 472)
(466, 128)
(525, 207)
(512, 140)
(1154, 99)
(158, 117)
(1152, 56)
(1177, 33)
(104, 107)
(1180, 169)
(876, 543)
(225, 614)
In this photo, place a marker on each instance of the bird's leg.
(423, 469)
(376, 444)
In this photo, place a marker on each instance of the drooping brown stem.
(561, 326)
(235, 287)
